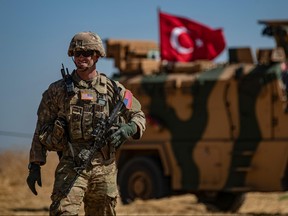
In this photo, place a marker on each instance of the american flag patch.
(128, 99)
(86, 96)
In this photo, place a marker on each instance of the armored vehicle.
(217, 130)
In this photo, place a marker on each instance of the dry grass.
(11, 168)
(14, 168)
(17, 199)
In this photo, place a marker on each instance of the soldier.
(69, 111)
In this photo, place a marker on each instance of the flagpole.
(159, 47)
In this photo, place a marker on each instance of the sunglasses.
(84, 53)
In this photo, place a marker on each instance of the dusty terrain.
(16, 198)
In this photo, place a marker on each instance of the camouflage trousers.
(96, 187)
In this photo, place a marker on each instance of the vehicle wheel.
(224, 201)
(142, 178)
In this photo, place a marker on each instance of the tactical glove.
(34, 175)
(123, 133)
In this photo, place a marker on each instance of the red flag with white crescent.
(185, 40)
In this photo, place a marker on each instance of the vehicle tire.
(224, 201)
(142, 178)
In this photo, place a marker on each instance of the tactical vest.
(88, 105)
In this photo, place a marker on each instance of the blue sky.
(35, 36)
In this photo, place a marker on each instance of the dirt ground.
(17, 199)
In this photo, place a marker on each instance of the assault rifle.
(100, 141)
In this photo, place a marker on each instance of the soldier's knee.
(59, 211)
(63, 207)
(105, 207)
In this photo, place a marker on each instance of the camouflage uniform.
(96, 186)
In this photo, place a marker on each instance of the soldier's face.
(85, 59)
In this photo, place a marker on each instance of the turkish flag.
(184, 40)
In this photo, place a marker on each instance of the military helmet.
(86, 41)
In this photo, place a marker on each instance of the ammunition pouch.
(53, 137)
